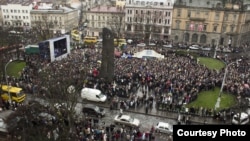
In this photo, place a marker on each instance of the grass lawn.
(15, 67)
(211, 63)
(207, 99)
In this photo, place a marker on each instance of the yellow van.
(16, 93)
(90, 40)
(75, 35)
(119, 42)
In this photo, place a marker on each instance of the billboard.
(55, 48)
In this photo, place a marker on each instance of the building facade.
(148, 19)
(16, 13)
(209, 23)
(104, 16)
(59, 19)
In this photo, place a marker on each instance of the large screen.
(44, 50)
(60, 47)
(54, 49)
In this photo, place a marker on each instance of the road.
(147, 121)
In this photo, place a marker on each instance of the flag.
(200, 27)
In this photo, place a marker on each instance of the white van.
(93, 95)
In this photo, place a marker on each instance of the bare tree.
(116, 24)
(42, 27)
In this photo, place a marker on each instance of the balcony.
(197, 19)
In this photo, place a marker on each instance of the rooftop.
(21, 2)
(53, 10)
(106, 9)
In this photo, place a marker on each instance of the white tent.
(148, 54)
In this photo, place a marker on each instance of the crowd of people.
(171, 82)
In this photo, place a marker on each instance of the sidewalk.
(171, 115)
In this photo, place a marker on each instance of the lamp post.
(6, 79)
(215, 50)
(217, 105)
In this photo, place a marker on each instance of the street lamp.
(6, 79)
(217, 105)
(215, 50)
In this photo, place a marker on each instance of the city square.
(138, 79)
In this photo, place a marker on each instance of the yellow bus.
(16, 94)
(90, 40)
(119, 42)
(75, 35)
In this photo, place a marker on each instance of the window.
(232, 28)
(155, 3)
(187, 25)
(11, 11)
(226, 17)
(204, 27)
(217, 16)
(190, 1)
(129, 28)
(189, 13)
(154, 20)
(177, 24)
(148, 12)
(178, 12)
(235, 16)
(224, 28)
(215, 28)
(141, 20)
(93, 17)
(196, 27)
(141, 11)
(136, 11)
(159, 21)
(128, 11)
(161, 3)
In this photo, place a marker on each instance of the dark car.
(93, 110)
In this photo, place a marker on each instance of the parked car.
(3, 117)
(141, 45)
(240, 118)
(164, 127)
(248, 111)
(126, 120)
(227, 50)
(151, 44)
(194, 47)
(168, 46)
(182, 46)
(93, 110)
(206, 48)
